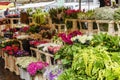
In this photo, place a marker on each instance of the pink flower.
(34, 67)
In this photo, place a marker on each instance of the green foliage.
(39, 17)
(54, 12)
(66, 53)
(117, 14)
(89, 15)
(108, 41)
(33, 29)
(93, 63)
(29, 11)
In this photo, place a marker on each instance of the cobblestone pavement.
(5, 74)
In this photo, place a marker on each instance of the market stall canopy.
(36, 5)
(4, 5)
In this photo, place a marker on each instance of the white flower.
(83, 39)
(89, 37)
(23, 62)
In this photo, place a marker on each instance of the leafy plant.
(117, 14)
(66, 53)
(56, 14)
(39, 17)
(89, 15)
(93, 63)
(108, 41)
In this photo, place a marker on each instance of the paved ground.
(6, 74)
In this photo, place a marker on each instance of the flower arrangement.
(71, 13)
(23, 62)
(67, 37)
(36, 67)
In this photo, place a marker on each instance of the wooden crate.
(74, 24)
(39, 54)
(6, 58)
(60, 28)
(118, 26)
(89, 26)
(110, 23)
(16, 68)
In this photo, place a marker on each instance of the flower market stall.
(64, 44)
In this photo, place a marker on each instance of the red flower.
(10, 52)
(8, 48)
(16, 49)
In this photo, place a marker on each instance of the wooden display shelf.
(60, 27)
(10, 63)
(118, 26)
(110, 23)
(39, 54)
(74, 24)
(89, 26)
(12, 21)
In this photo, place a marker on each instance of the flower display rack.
(110, 23)
(10, 63)
(60, 28)
(74, 24)
(39, 54)
(118, 26)
(89, 26)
